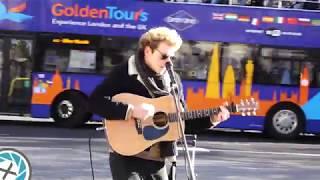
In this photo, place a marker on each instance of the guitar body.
(132, 136)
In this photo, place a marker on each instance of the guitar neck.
(195, 114)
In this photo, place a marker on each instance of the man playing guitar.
(120, 99)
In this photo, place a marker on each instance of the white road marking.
(24, 118)
(265, 152)
(197, 149)
(26, 139)
(31, 119)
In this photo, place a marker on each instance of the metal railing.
(14, 82)
(230, 2)
(281, 2)
(266, 3)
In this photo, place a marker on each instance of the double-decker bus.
(53, 54)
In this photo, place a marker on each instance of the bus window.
(56, 59)
(313, 72)
(115, 51)
(237, 56)
(284, 66)
(317, 75)
(70, 60)
(193, 60)
(1, 62)
(20, 58)
(82, 61)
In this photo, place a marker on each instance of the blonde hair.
(156, 35)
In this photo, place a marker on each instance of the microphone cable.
(90, 149)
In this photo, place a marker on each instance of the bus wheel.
(70, 109)
(284, 120)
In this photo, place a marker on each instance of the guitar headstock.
(246, 107)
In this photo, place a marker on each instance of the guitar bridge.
(138, 125)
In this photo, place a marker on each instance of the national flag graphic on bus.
(255, 21)
(267, 19)
(244, 19)
(292, 21)
(280, 20)
(231, 17)
(217, 16)
(315, 22)
(304, 21)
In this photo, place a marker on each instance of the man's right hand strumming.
(142, 111)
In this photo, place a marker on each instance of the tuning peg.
(241, 101)
(254, 113)
(243, 114)
(248, 113)
(247, 102)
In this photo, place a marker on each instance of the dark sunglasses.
(165, 56)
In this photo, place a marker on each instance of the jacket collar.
(132, 70)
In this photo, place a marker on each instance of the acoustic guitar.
(132, 136)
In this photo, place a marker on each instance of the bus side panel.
(46, 86)
(40, 110)
(265, 95)
(313, 126)
(311, 110)
(244, 123)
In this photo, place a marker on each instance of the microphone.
(169, 68)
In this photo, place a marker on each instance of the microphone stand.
(174, 87)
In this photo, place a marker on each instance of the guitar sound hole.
(160, 119)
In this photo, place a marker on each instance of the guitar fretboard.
(195, 114)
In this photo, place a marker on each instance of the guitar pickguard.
(152, 133)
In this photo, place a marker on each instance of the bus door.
(15, 74)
